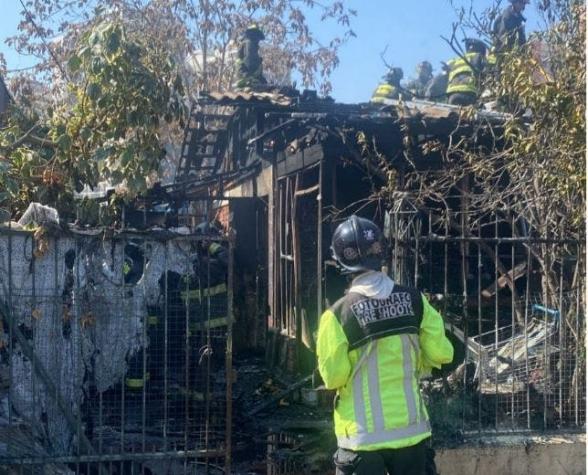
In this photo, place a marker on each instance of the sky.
(411, 30)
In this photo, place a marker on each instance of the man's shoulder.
(338, 305)
(342, 307)
(416, 296)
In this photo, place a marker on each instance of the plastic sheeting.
(82, 322)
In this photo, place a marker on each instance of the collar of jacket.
(372, 284)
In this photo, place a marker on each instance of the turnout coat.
(372, 351)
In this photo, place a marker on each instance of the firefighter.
(389, 88)
(509, 27)
(437, 88)
(209, 292)
(464, 73)
(212, 252)
(424, 74)
(372, 345)
(249, 62)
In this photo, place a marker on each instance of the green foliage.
(122, 92)
(119, 94)
(545, 150)
(532, 165)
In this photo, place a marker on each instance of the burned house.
(149, 358)
(307, 163)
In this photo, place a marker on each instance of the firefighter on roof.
(372, 345)
(465, 72)
(389, 88)
(509, 27)
(424, 75)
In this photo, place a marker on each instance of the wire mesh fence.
(114, 353)
(514, 308)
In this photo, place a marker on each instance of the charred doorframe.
(305, 206)
(293, 203)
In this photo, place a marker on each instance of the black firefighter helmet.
(474, 45)
(394, 75)
(358, 245)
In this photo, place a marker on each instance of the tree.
(199, 32)
(119, 91)
(541, 145)
(531, 167)
(112, 77)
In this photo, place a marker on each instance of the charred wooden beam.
(505, 279)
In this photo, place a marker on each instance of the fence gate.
(114, 353)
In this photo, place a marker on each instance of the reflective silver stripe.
(358, 401)
(409, 370)
(365, 438)
(414, 340)
(374, 388)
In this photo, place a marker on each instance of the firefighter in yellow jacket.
(465, 73)
(389, 88)
(372, 345)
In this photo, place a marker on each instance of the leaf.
(64, 142)
(113, 42)
(116, 177)
(133, 117)
(126, 156)
(74, 63)
(93, 91)
(97, 66)
(85, 134)
(101, 153)
(11, 187)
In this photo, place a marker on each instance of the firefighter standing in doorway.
(211, 272)
(372, 345)
(212, 253)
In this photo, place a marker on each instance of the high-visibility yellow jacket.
(491, 59)
(384, 91)
(462, 77)
(372, 352)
